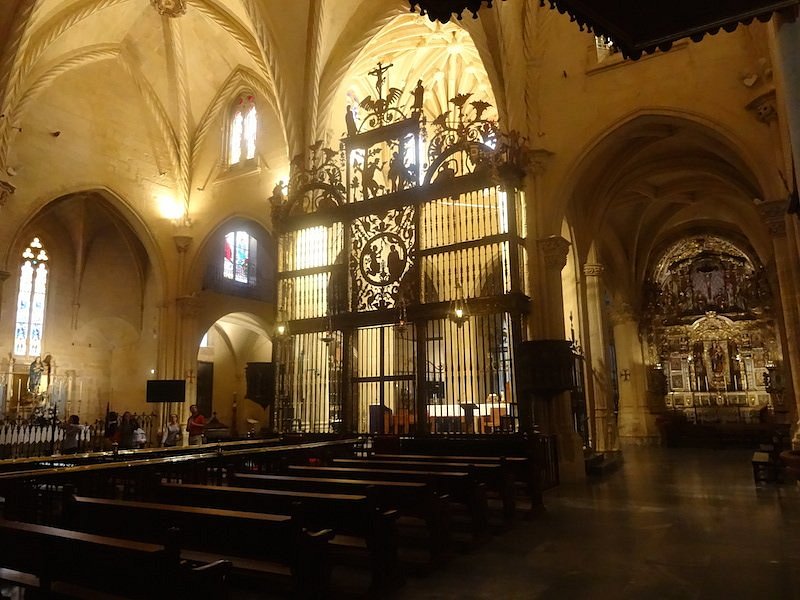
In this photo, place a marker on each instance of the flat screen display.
(166, 390)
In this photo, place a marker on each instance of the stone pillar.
(186, 353)
(636, 421)
(550, 303)
(788, 47)
(774, 216)
(4, 275)
(558, 408)
(602, 420)
(174, 327)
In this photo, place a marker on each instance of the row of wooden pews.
(306, 526)
(53, 562)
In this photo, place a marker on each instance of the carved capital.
(6, 190)
(3, 276)
(621, 313)
(764, 107)
(591, 270)
(773, 214)
(170, 8)
(189, 306)
(554, 250)
(182, 243)
(540, 159)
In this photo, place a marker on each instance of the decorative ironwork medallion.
(383, 253)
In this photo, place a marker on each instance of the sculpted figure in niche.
(717, 359)
(35, 375)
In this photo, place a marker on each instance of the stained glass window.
(239, 261)
(31, 301)
(243, 130)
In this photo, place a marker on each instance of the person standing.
(72, 431)
(195, 426)
(126, 429)
(172, 432)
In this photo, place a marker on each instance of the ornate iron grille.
(380, 242)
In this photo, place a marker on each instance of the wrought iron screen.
(403, 274)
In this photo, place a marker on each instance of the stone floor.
(669, 524)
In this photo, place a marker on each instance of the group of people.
(128, 434)
(171, 434)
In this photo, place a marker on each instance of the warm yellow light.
(169, 207)
(281, 329)
(459, 313)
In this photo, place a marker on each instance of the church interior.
(352, 219)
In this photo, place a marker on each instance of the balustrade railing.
(44, 437)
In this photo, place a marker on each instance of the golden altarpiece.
(711, 332)
(402, 273)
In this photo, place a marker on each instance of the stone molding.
(554, 250)
(773, 214)
(3, 276)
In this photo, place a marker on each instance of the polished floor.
(669, 524)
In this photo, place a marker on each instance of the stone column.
(557, 408)
(636, 422)
(173, 326)
(774, 216)
(550, 303)
(186, 357)
(4, 275)
(788, 47)
(598, 389)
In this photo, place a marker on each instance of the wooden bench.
(518, 465)
(355, 519)
(460, 486)
(61, 559)
(415, 499)
(496, 477)
(272, 545)
(535, 467)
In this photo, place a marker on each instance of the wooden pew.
(273, 545)
(518, 466)
(357, 522)
(539, 466)
(460, 486)
(416, 499)
(497, 478)
(61, 559)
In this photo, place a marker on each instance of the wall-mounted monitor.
(166, 390)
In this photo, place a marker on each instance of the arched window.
(243, 128)
(31, 301)
(239, 263)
